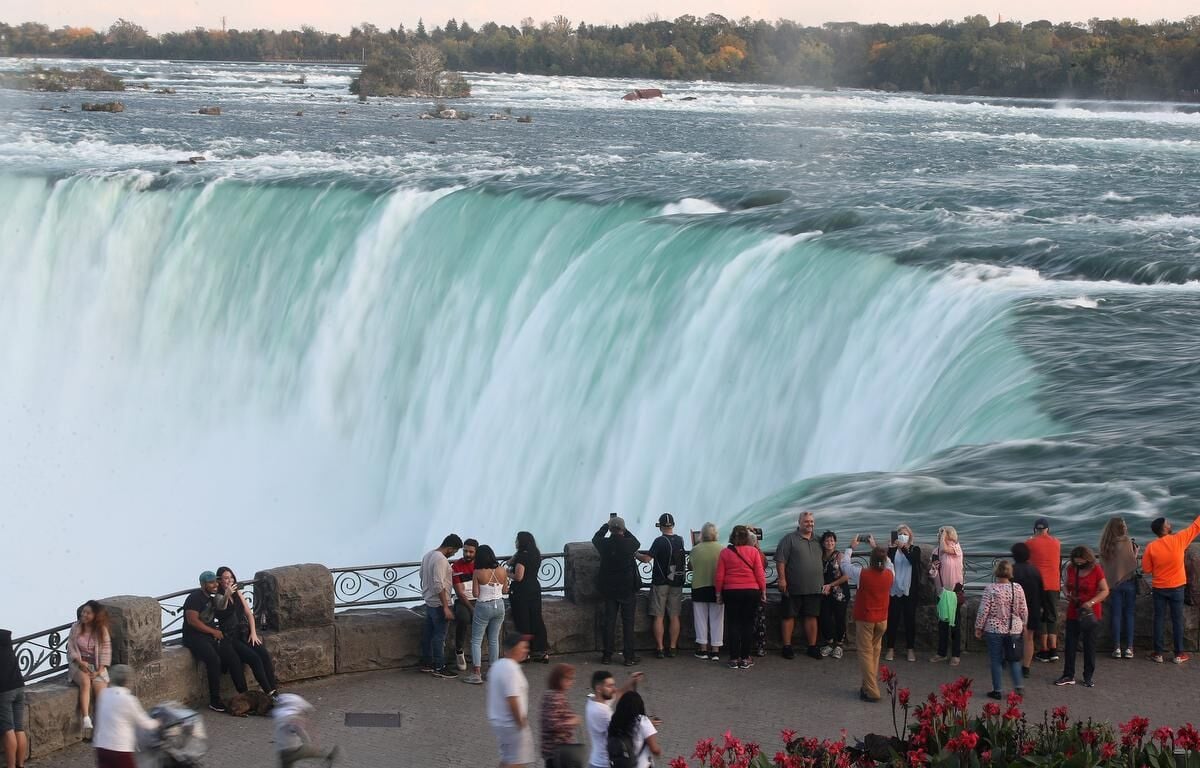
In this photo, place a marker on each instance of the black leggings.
(741, 606)
(214, 654)
(527, 616)
(901, 610)
(259, 660)
(833, 618)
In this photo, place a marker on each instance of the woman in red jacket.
(871, 602)
(741, 585)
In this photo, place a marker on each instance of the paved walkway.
(443, 721)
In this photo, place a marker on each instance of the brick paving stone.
(444, 723)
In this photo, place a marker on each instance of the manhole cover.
(372, 719)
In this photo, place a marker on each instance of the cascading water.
(269, 373)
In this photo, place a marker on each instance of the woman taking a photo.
(1085, 588)
(1001, 619)
(874, 585)
(236, 621)
(559, 721)
(835, 597)
(707, 614)
(526, 596)
(1118, 557)
(741, 586)
(89, 648)
(489, 585)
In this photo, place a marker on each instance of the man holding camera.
(801, 578)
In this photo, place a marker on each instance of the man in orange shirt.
(1045, 553)
(1163, 561)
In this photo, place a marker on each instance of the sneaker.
(672, 653)
(460, 661)
(938, 659)
(1044, 657)
(813, 652)
(838, 652)
(1180, 658)
(473, 679)
(912, 655)
(660, 654)
(1025, 673)
(890, 655)
(789, 652)
(218, 707)
(862, 696)
(1053, 655)
(426, 667)
(606, 659)
(995, 695)
(734, 664)
(826, 650)
(87, 728)
(699, 654)
(445, 673)
(1129, 653)
(714, 656)
(955, 661)
(1116, 654)
(761, 652)
(745, 664)
(632, 660)
(1064, 680)
(1157, 658)
(1089, 684)
(1020, 691)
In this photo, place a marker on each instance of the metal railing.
(365, 586)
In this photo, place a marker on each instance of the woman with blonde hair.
(707, 614)
(89, 647)
(1001, 619)
(1118, 557)
(946, 571)
(902, 609)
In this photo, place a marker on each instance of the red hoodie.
(740, 568)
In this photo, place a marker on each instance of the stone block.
(581, 566)
(136, 628)
(382, 638)
(570, 627)
(52, 718)
(295, 597)
(175, 676)
(300, 654)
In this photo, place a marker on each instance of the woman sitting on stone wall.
(237, 622)
(89, 647)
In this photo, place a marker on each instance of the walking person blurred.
(707, 614)
(871, 602)
(1118, 557)
(508, 703)
(89, 647)
(295, 734)
(741, 585)
(1001, 619)
(120, 719)
(1086, 590)
(634, 732)
(525, 594)
(560, 723)
(12, 705)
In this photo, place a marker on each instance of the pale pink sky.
(159, 16)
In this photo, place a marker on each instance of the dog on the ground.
(251, 703)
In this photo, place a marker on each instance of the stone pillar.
(581, 565)
(136, 629)
(295, 597)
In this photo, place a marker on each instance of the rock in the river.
(106, 106)
(209, 110)
(643, 93)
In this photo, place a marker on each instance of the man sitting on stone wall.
(207, 643)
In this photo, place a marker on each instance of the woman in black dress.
(526, 596)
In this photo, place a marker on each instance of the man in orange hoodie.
(1163, 562)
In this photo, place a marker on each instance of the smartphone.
(863, 538)
(894, 535)
(612, 515)
(758, 532)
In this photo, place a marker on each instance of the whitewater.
(345, 333)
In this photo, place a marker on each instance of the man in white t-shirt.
(599, 712)
(508, 703)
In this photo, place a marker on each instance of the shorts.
(797, 606)
(12, 710)
(665, 596)
(516, 745)
(1049, 622)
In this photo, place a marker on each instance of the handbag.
(570, 756)
(1087, 616)
(1014, 645)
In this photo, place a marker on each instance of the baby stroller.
(178, 742)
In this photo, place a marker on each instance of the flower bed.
(944, 733)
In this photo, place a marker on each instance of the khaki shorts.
(664, 596)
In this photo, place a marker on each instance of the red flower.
(1108, 750)
(678, 762)
(1012, 714)
(1088, 736)
(991, 709)
(1135, 729)
(1028, 747)
(886, 674)
(704, 748)
(985, 756)
(969, 739)
(788, 736)
(916, 758)
(1014, 699)
(1187, 738)
(1164, 735)
(1061, 713)
(781, 759)
(903, 695)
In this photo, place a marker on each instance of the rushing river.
(343, 334)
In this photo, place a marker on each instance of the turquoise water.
(343, 335)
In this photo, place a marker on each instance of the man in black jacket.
(619, 583)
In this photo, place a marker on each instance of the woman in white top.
(630, 724)
(119, 720)
(489, 585)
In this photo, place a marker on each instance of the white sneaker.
(87, 728)
(938, 659)
(912, 655)
(837, 652)
(826, 650)
(460, 661)
(890, 655)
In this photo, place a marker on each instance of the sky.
(158, 16)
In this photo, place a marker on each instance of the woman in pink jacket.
(741, 586)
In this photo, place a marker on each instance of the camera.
(758, 532)
(862, 538)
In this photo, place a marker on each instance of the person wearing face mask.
(902, 608)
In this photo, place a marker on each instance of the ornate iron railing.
(400, 583)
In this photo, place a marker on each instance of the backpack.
(621, 753)
(676, 573)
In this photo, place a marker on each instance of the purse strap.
(1012, 606)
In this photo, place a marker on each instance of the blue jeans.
(1120, 607)
(1164, 599)
(995, 646)
(489, 617)
(433, 637)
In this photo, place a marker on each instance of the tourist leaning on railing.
(1045, 552)
(89, 648)
(707, 614)
(237, 623)
(741, 586)
(525, 595)
(1118, 557)
(1163, 561)
(1029, 578)
(12, 704)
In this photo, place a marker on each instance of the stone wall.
(308, 639)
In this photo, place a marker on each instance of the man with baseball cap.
(207, 643)
(1163, 562)
(669, 569)
(618, 582)
(1045, 553)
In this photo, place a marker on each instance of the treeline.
(1116, 58)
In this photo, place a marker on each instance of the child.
(294, 739)
(949, 610)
